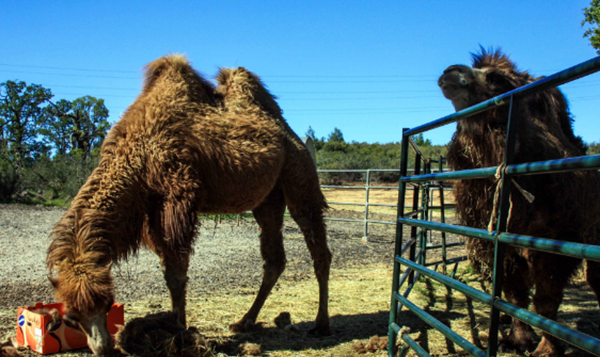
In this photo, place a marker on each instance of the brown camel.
(565, 205)
(181, 149)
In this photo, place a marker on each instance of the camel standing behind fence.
(566, 205)
(181, 149)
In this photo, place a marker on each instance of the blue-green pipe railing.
(576, 250)
(511, 169)
(565, 333)
(463, 288)
(591, 162)
(449, 228)
(445, 330)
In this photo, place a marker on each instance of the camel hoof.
(242, 326)
(505, 319)
(548, 349)
(515, 347)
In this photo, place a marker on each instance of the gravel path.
(226, 255)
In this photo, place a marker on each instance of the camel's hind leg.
(269, 216)
(306, 204)
(516, 287)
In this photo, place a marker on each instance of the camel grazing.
(565, 205)
(181, 149)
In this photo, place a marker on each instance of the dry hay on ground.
(374, 344)
(10, 349)
(161, 335)
(249, 349)
(360, 301)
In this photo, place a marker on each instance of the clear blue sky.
(369, 68)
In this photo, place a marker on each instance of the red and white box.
(38, 330)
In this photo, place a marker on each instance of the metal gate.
(416, 263)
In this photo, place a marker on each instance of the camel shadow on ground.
(579, 311)
(345, 328)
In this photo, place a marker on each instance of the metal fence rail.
(368, 187)
(415, 263)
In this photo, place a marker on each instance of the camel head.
(491, 74)
(457, 83)
(86, 290)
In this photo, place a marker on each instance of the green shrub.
(9, 181)
(59, 178)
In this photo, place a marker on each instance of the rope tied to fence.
(500, 175)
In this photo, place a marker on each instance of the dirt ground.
(226, 270)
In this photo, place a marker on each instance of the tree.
(21, 114)
(79, 125)
(421, 141)
(594, 148)
(57, 129)
(90, 123)
(592, 17)
(336, 136)
(311, 133)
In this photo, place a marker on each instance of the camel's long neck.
(477, 146)
(107, 215)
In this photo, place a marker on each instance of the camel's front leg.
(175, 273)
(552, 273)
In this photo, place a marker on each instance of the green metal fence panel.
(583, 341)
(577, 250)
(416, 262)
(445, 330)
(463, 288)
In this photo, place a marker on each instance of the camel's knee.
(273, 268)
(322, 264)
(175, 272)
(176, 282)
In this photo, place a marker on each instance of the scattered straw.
(249, 349)
(10, 348)
(374, 344)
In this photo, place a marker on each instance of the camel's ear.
(500, 80)
(53, 281)
(477, 72)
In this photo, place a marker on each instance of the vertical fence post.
(500, 248)
(424, 217)
(366, 228)
(413, 230)
(392, 335)
(443, 217)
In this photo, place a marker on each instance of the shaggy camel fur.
(565, 206)
(184, 148)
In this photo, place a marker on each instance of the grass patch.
(359, 309)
